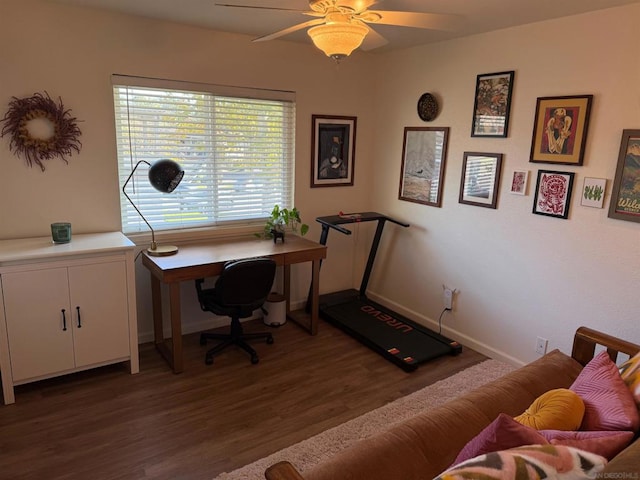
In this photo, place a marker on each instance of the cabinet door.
(38, 342)
(100, 312)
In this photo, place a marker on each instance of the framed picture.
(560, 129)
(625, 196)
(553, 193)
(492, 104)
(519, 182)
(333, 142)
(480, 179)
(424, 153)
(593, 192)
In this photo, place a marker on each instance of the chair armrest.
(282, 471)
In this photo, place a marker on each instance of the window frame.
(222, 226)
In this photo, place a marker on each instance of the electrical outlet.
(541, 345)
(447, 298)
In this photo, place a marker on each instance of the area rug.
(314, 450)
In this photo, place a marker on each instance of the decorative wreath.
(61, 143)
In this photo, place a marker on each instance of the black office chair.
(241, 288)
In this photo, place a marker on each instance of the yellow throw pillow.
(630, 373)
(559, 409)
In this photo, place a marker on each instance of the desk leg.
(173, 356)
(287, 287)
(315, 287)
(156, 300)
(176, 327)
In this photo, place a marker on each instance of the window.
(236, 147)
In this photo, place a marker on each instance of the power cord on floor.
(440, 320)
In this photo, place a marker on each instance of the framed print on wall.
(519, 182)
(560, 129)
(593, 192)
(492, 104)
(333, 142)
(424, 154)
(625, 196)
(553, 193)
(480, 179)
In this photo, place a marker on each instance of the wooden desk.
(207, 260)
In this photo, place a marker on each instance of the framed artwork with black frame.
(480, 179)
(625, 195)
(492, 104)
(333, 141)
(553, 193)
(424, 154)
(560, 129)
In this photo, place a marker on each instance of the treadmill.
(397, 338)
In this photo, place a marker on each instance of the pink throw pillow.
(607, 400)
(607, 443)
(501, 434)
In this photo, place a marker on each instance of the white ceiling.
(477, 16)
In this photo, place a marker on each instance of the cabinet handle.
(79, 321)
(64, 321)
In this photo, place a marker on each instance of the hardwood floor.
(107, 424)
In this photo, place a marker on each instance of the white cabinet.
(68, 310)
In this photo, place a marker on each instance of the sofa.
(429, 443)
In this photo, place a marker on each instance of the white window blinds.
(235, 145)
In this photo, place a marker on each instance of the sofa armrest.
(282, 471)
(586, 339)
(625, 464)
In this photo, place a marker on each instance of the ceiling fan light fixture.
(338, 40)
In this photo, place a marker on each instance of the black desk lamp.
(164, 176)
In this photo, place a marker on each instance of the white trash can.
(276, 307)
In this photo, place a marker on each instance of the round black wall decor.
(427, 107)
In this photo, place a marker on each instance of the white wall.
(519, 275)
(71, 52)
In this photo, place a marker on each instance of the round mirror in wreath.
(40, 129)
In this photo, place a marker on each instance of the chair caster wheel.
(269, 340)
(254, 360)
(208, 361)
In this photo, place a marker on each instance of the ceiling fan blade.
(289, 30)
(262, 7)
(373, 40)
(432, 21)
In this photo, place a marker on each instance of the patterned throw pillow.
(531, 462)
(607, 400)
(630, 373)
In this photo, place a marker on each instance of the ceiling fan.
(341, 26)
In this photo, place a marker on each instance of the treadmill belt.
(398, 339)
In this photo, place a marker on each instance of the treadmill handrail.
(334, 221)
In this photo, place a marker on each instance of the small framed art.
(560, 129)
(492, 104)
(424, 154)
(519, 182)
(625, 196)
(333, 141)
(480, 179)
(593, 192)
(553, 193)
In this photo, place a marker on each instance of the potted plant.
(281, 219)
